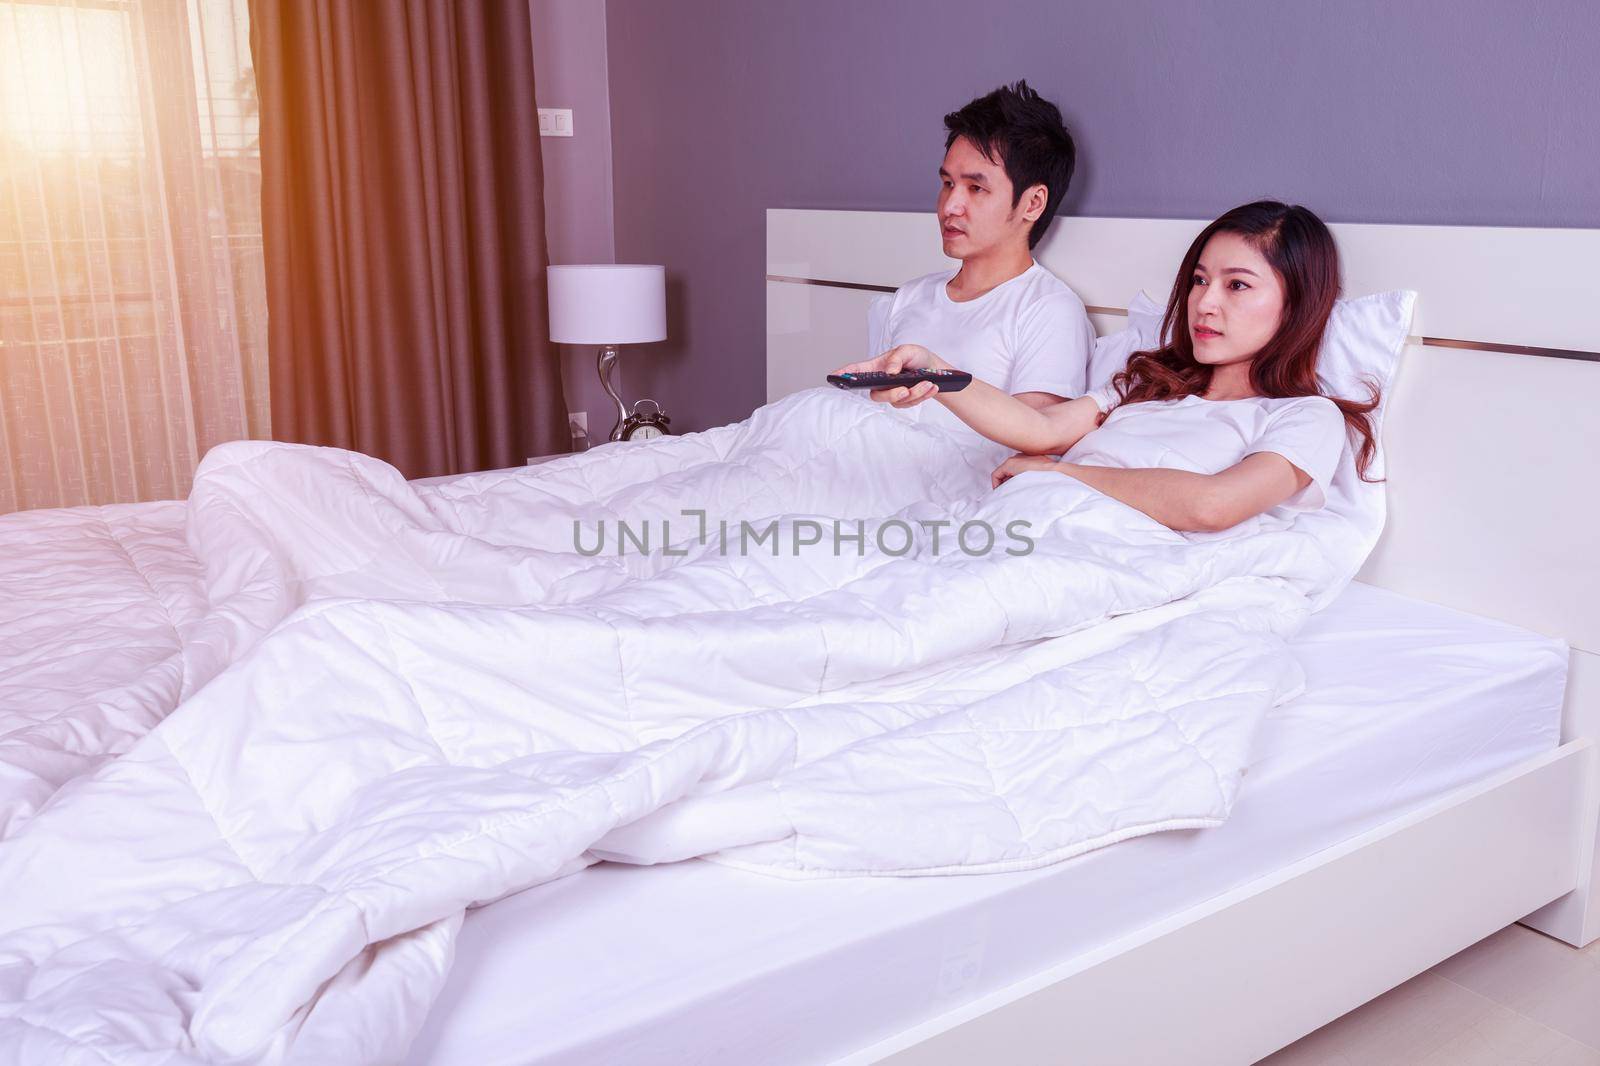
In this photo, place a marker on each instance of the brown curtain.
(402, 207)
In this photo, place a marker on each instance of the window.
(132, 295)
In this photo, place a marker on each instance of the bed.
(694, 961)
(1489, 432)
(1441, 764)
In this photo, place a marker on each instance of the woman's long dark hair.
(1299, 247)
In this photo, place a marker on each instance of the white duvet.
(434, 700)
(102, 619)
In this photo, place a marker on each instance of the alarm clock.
(643, 425)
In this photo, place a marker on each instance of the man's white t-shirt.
(1208, 436)
(1028, 334)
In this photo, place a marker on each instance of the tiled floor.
(1516, 998)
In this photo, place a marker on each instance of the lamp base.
(604, 364)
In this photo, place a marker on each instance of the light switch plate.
(555, 122)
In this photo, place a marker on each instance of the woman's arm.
(1182, 500)
(992, 412)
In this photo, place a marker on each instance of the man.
(1000, 316)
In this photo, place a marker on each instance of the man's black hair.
(1023, 132)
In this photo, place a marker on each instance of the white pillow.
(1364, 340)
(1363, 343)
(1111, 352)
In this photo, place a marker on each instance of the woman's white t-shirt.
(1208, 436)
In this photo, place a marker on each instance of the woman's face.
(1235, 301)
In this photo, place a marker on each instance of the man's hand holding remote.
(901, 357)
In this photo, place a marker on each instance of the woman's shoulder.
(1307, 424)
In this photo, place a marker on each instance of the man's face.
(975, 203)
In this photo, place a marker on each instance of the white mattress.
(699, 962)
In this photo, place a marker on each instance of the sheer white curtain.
(132, 298)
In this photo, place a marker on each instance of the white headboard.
(1493, 430)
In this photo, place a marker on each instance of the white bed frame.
(1492, 441)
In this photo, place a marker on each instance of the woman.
(1223, 423)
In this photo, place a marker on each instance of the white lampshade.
(608, 304)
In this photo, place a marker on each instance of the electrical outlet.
(578, 422)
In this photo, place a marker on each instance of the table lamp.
(609, 305)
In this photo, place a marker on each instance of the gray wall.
(569, 64)
(1426, 111)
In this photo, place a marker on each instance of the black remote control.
(946, 380)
